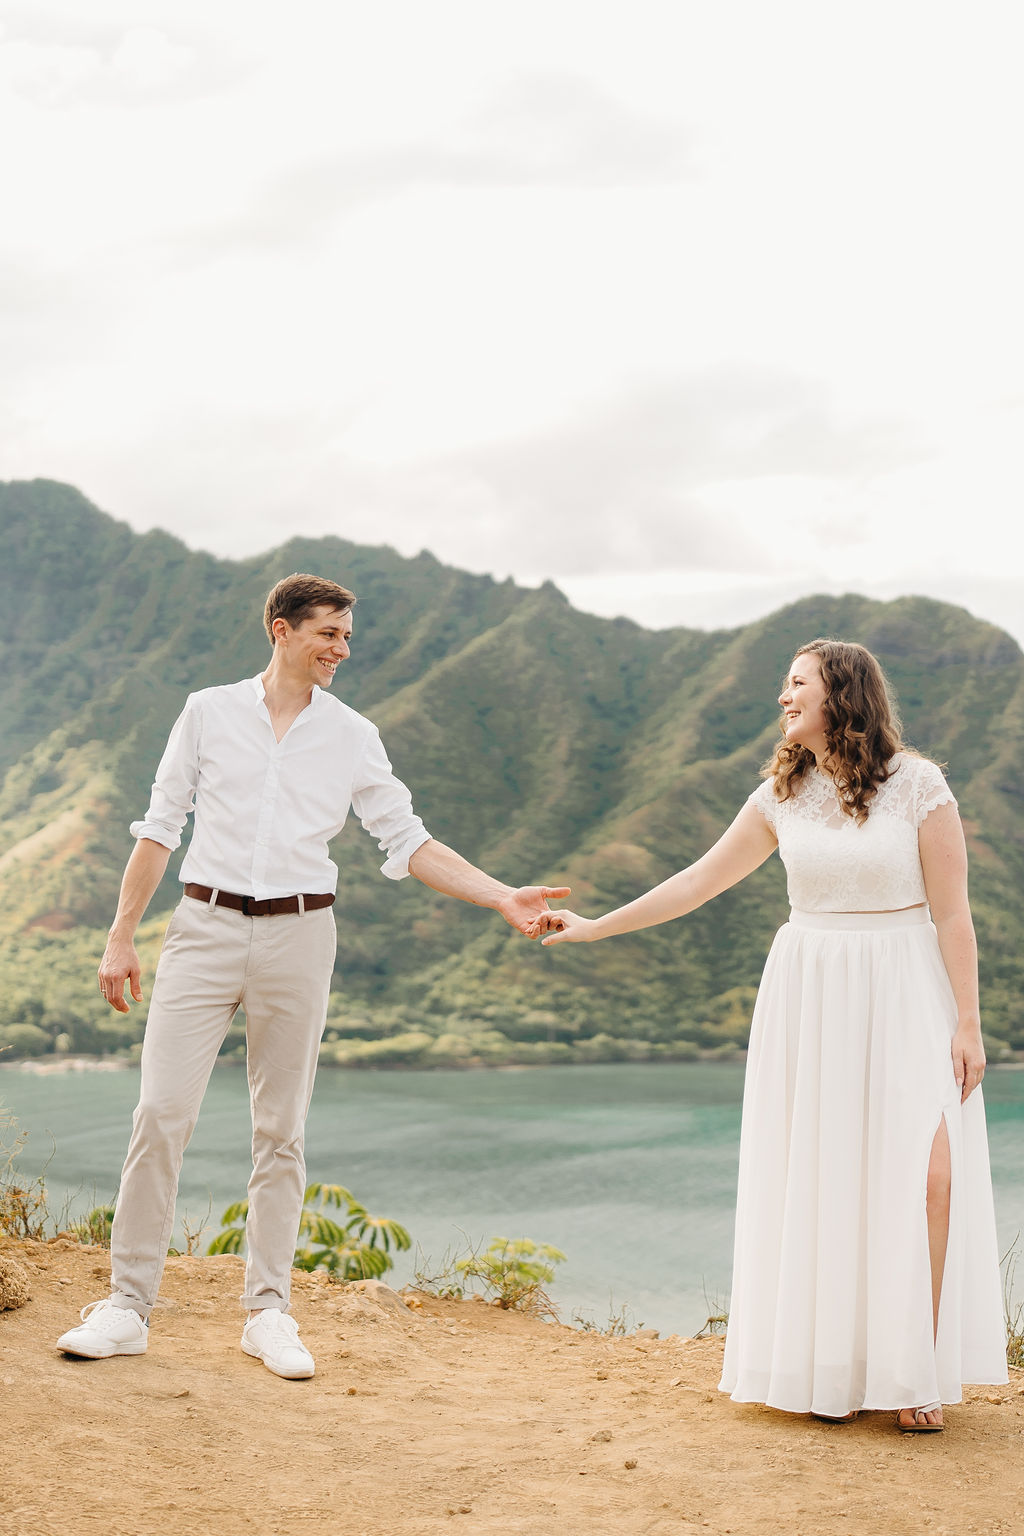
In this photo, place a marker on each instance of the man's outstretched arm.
(120, 963)
(525, 908)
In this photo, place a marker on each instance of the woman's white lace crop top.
(834, 865)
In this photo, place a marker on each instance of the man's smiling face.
(315, 647)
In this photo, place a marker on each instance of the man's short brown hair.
(298, 597)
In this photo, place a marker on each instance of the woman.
(866, 1270)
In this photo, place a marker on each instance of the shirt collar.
(260, 692)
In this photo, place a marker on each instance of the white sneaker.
(106, 1330)
(273, 1337)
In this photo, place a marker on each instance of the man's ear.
(280, 629)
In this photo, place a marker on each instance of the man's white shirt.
(266, 809)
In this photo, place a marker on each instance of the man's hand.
(120, 963)
(527, 909)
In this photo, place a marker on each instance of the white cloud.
(691, 307)
(84, 60)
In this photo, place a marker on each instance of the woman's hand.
(571, 928)
(968, 1060)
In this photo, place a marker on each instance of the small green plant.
(444, 1281)
(95, 1227)
(1013, 1310)
(354, 1246)
(514, 1274)
(717, 1320)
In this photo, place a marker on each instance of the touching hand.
(568, 928)
(527, 908)
(120, 963)
(968, 1061)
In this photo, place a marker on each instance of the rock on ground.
(14, 1290)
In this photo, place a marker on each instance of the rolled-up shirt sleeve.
(174, 788)
(384, 806)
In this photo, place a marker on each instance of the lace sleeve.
(764, 799)
(930, 789)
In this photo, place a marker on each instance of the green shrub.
(95, 1227)
(514, 1274)
(24, 1039)
(395, 1051)
(355, 1247)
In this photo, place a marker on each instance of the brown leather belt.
(274, 906)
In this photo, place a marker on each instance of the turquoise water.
(630, 1170)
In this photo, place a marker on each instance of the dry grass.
(1013, 1310)
(23, 1210)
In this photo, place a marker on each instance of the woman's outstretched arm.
(944, 862)
(741, 849)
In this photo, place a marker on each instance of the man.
(271, 766)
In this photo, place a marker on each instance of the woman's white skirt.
(849, 1076)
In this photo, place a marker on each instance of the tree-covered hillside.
(543, 743)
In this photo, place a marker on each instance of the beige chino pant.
(213, 962)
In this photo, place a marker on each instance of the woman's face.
(802, 703)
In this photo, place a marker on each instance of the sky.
(691, 308)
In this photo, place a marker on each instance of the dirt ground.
(444, 1417)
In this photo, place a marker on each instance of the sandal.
(836, 1418)
(917, 1428)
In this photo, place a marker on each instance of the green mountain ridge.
(544, 743)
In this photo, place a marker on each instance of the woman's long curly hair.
(862, 729)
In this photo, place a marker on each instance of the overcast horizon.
(690, 310)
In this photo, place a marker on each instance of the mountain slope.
(541, 742)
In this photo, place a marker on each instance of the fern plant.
(350, 1246)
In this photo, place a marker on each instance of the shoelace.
(108, 1316)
